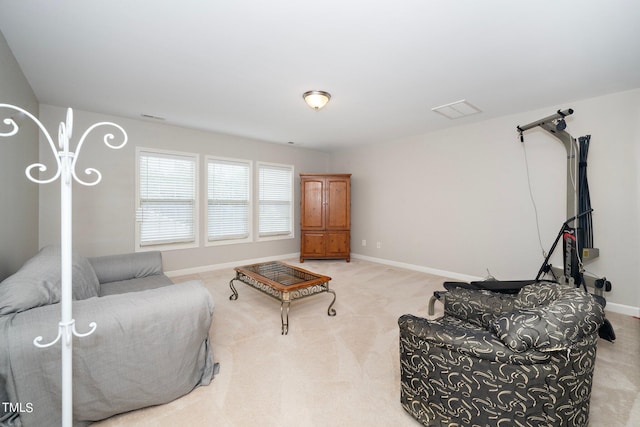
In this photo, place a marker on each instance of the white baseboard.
(613, 307)
(623, 309)
(233, 264)
(421, 268)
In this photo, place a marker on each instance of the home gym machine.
(576, 232)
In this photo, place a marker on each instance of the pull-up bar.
(560, 126)
(555, 125)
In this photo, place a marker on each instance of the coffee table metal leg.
(234, 295)
(331, 311)
(284, 316)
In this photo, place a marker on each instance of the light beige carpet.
(343, 370)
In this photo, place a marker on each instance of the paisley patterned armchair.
(494, 359)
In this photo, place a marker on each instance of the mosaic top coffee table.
(284, 283)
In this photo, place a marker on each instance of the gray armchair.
(524, 359)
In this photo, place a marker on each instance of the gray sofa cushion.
(115, 268)
(38, 282)
(134, 285)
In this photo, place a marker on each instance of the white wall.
(18, 195)
(103, 216)
(457, 200)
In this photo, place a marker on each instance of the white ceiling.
(241, 66)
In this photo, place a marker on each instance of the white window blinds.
(167, 194)
(228, 195)
(275, 213)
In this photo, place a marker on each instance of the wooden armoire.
(325, 216)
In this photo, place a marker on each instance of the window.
(228, 201)
(167, 202)
(275, 214)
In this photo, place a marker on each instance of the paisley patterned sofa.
(523, 359)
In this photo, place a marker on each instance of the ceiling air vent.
(456, 110)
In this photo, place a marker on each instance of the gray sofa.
(151, 344)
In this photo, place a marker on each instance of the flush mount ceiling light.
(316, 99)
(456, 110)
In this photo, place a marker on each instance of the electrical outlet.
(378, 245)
(364, 242)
